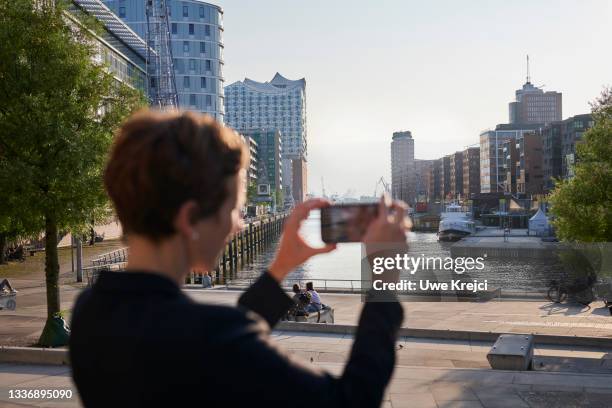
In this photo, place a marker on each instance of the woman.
(177, 182)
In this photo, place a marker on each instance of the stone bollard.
(511, 352)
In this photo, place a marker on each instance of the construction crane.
(380, 181)
(160, 66)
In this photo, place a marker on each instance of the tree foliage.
(58, 111)
(581, 205)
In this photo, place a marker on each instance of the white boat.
(455, 223)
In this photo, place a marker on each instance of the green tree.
(581, 205)
(58, 112)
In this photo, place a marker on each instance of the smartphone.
(346, 222)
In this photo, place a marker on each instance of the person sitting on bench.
(315, 299)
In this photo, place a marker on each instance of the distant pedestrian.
(206, 280)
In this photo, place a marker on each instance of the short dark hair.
(160, 160)
(309, 286)
(296, 288)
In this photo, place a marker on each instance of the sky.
(445, 70)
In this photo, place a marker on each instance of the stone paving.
(429, 373)
(23, 326)
(538, 317)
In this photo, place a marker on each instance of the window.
(185, 46)
(203, 82)
(208, 100)
(185, 11)
(202, 47)
(201, 12)
(191, 29)
(207, 30)
(174, 28)
(192, 64)
(192, 99)
(186, 83)
(208, 65)
(121, 11)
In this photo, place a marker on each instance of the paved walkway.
(428, 373)
(538, 317)
(23, 326)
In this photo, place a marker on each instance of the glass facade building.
(196, 35)
(117, 46)
(278, 104)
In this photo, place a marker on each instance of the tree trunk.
(2, 248)
(51, 266)
(55, 333)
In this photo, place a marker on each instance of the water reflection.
(509, 274)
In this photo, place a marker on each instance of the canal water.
(344, 264)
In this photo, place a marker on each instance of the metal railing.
(341, 285)
(113, 257)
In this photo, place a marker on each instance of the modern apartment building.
(119, 47)
(277, 104)
(403, 181)
(269, 157)
(422, 171)
(572, 130)
(529, 165)
(559, 141)
(435, 181)
(445, 178)
(471, 172)
(508, 164)
(551, 135)
(456, 174)
(196, 37)
(492, 170)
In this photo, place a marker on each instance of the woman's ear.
(186, 219)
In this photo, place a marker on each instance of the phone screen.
(346, 222)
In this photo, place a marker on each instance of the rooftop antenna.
(528, 78)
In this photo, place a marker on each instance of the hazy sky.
(444, 70)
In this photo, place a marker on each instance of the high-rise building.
(403, 182)
(278, 104)
(492, 171)
(196, 37)
(471, 171)
(533, 105)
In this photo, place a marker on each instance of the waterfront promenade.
(23, 326)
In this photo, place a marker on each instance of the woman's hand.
(293, 250)
(386, 235)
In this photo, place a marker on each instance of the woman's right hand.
(386, 235)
